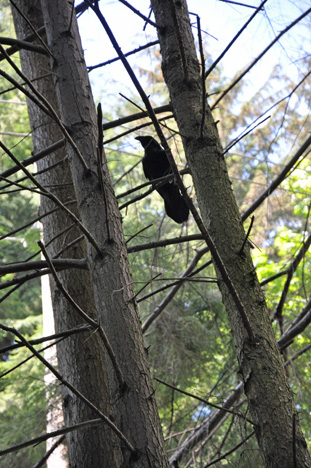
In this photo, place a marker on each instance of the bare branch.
(133, 117)
(159, 309)
(164, 243)
(23, 45)
(206, 402)
(36, 157)
(282, 175)
(290, 272)
(73, 331)
(40, 264)
(49, 452)
(138, 13)
(49, 435)
(108, 62)
(259, 57)
(214, 64)
(52, 197)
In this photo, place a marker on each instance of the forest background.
(190, 343)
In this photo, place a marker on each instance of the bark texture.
(81, 357)
(134, 410)
(270, 399)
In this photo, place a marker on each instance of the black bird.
(155, 165)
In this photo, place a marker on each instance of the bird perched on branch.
(156, 165)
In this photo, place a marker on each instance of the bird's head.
(146, 141)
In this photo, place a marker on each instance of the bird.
(156, 165)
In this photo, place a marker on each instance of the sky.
(220, 20)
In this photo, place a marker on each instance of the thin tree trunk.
(269, 396)
(54, 411)
(134, 408)
(80, 357)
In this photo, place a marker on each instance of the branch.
(108, 62)
(282, 175)
(290, 272)
(208, 426)
(37, 341)
(137, 116)
(159, 309)
(49, 452)
(164, 243)
(30, 223)
(22, 45)
(230, 451)
(49, 435)
(138, 13)
(36, 157)
(46, 107)
(206, 402)
(211, 68)
(297, 326)
(40, 264)
(52, 197)
(259, 57)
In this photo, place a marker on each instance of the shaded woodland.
(128, 339)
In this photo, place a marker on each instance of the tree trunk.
(269, 396)
(134, 409)
(80, 357)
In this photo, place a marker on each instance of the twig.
(37, 341)
(139, 232)
(290, 272)
(147, 20)
(259, 57)
(35, 33)
(163, 242)
(276, 182)
(30, 223)
(46, 108)
(100, 147)
(49, 452)
(133, 117)
(158, 310)
(108, 62)
(247, 234)
(36, 157)
(231, 451)
(206, 402)
(23, 45)
(52, 197)
(214, 64)
(147, 283)
(49, 435)
(202, 75)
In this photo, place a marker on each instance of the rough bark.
(81, 357)
(134, 409)
(270, 399)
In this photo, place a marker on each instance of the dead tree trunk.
(270, 399)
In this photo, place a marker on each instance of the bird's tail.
(175, 206)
